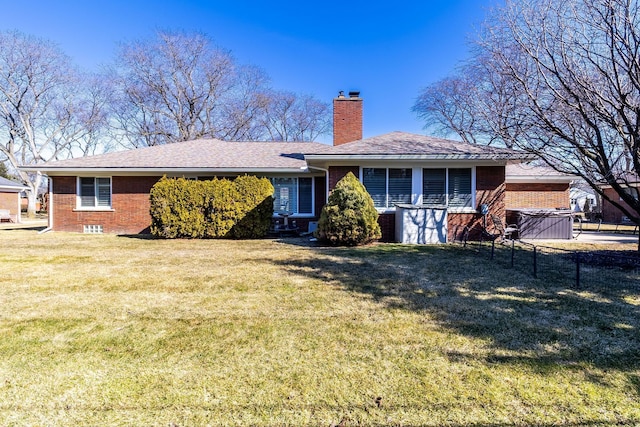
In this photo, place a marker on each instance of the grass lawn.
(106, 330)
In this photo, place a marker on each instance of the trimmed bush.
(349, 218)
(258, 194)
(177, 208)
(241, 208)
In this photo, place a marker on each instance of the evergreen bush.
(349, 218)
(240, 208)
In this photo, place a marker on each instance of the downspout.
(326, 174)
(49, 208)
(19, 212)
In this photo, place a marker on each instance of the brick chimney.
(347, 118)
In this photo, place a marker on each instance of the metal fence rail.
(578, 269)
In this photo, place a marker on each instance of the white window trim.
(79, 206)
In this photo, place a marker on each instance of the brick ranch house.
(110, 192)
(10, 199)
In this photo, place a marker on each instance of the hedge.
(241, 208)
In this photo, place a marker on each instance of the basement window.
(93, 229)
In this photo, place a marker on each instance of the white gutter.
(49, 208)
(548, 179)
(415, 156)
(157, 171)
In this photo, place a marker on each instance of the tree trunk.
(31, 206)
(32, 195)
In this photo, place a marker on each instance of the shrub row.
(220, 208)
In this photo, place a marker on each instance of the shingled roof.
(200, 154)
(523, 172)
(11, 186)
(408, 145)
(223, 156)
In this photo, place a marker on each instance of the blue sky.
(386, 50)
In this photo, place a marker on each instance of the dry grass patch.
(106, 330)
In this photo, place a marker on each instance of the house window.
(387, 187)
(451, 187)
(293, 195)
(95, 192)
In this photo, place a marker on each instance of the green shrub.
(258, 207)
(240, 208)
(349, 218)
(177, 208)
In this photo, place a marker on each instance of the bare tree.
(45, 113)
(476, 104)
(289, 117)
(562, 81)
(180, 86)
(171, 88)
(447, 107)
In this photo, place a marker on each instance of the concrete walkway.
(607, 238)
(594, 237)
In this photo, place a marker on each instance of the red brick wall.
(490, 190)
(611, 213)
(10, 201)
(387, 223)
(347, 120)
(336, 173)
(546, 196)
(129, 200)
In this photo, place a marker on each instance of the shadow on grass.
(24, 228)
(530, 322)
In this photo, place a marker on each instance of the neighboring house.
(10, 198)
(536, 187)
(611, 213)
(110, 192)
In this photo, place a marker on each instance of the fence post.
(493, 248)
(577, 270)
(513, 252)
(535, 262)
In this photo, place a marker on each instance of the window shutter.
(375, 181)
(399, 186)
(460, 188)
(87, 192)
(434, 186)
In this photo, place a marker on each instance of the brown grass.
(106, 330)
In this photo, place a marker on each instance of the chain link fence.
(578, 269)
